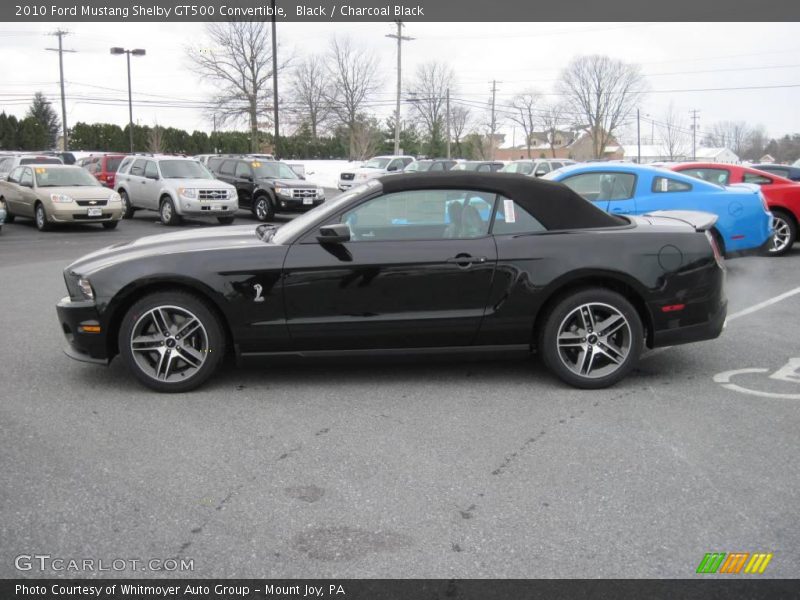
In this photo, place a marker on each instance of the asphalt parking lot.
(450, 469)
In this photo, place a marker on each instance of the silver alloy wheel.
(124, 199)
(594, 340)
(169, 343)
(261, 209)
(40, 218)
(781, 234)
(166, 211)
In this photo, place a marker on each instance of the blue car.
(744, 224)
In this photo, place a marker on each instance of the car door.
(151, 185)
(415, 274)
(136, 183)
(243, 181)
(26, 198)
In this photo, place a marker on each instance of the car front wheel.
(167, 212)
(40, 216)
(591, 338)
(171, 341)
(127, 207)
(262, 209)
(785, 234)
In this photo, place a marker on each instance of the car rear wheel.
(785, 233)
(168, 214)
(263, 209)
(40, 217)
(9, 215)
(127, 208)
(591, 338)
(225, 220)
(171, 341)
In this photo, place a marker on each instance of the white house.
(719, 155)
(650, 153)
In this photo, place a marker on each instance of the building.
(566, 144)
(718, 155)
(657, 153)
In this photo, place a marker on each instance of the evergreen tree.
(43, 113)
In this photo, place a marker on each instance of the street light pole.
(134, 52)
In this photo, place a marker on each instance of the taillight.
(715, 248)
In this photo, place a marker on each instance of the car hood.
(217, 238)
(206, 184)
(77, 192)
(290, 183)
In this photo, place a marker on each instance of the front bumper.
(207, 208)
(285, 204)
(81, 215)
(73, 315)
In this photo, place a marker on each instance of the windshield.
(77, 177)
(112, 164)
(184, 169)
(420, 165)
(41, 161)
(466, 166)
(526, 168)
(377, 163)
(273, 170)
(321, 212)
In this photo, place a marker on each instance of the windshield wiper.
(265, 231)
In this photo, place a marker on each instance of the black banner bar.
(398, 589)
(387, 10)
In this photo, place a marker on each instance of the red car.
(104, 167)
(782, 195)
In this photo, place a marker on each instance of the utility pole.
(400, 37)
(448, 122)
(276, 151)
(60, 33)
(694, 113)
(638, 139)
(214, 131)
(494, 121)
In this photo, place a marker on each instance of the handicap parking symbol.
(790, 372)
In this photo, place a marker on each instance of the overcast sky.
(673, 56)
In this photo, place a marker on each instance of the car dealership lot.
(445, 469)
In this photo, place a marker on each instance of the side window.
(137, 169)
(151, 170)
(214, 163)
(755, 178)
(26, 178)
(510, 217)
(718, 176)
(244, 170)
(123, 167)
(228, 167)
(599, 186)
(542, 168)
(405, 162)
(395, 165)
(437, 166)
(422, 215)
(666, 184)
(484, 168)
(13, 177)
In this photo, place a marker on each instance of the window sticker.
(664, 184)
(40, 170)
(255, 164)
(508, 209)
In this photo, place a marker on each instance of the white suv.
(374, 167)
(175, 187)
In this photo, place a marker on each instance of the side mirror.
(392, 168)
(337, 233)
(540, 172)
(26, 184)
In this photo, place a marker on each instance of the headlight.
(320, 192)
(282, 191)
(114, 198)
(187, 192)
(232, 195)
(60, 198)
(86, 288)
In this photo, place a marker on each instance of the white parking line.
(742, 313)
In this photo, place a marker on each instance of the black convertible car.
(414, 263)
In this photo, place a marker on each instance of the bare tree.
(674, 134)
(603, 92)
(525, 114)
(367, 138)
(429, 90)
(460, 120)
(355, 80)
(734, 135)
(155, 139)
(552, 119)
(311, 90)
(239, 63)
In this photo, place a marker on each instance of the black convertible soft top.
(553, 204)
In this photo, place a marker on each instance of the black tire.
(785, 233)
(178, 375)
(110, 224)
(577, 345)
(127, 207)
(9, 217)
(263, 208)
(40, 218)
(167, 212)
(225, 220)
(720, 242)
